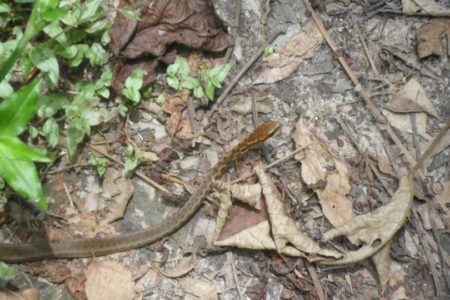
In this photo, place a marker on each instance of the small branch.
(163, 190)
(241, 73)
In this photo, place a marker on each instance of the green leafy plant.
(6, 272)
(132, 159)
(178, 78)
(212, 79)
(133, 85)
(17, 158)
(99, 164)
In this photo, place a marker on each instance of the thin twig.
(240, 74)
(366, 50)
(315, 280)
(163, 190)
(358, 86)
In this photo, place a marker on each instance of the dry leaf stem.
(141, 175)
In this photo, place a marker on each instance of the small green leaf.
(99, 164)
(190, 83)
(6, 272)
(209, 90)
(96, 55)
(33, 132)
(55, 31)
(172, 70)
(174, 83)
(53, 15)
(147, 91)
(44, 59)
(18, 109)
(48, 105)
(132, 161)
(89, 9)
(51, 131)
(12, 148)
(6, 89)
(219, 73)
(4, 8)
(98, 26)
(132, 15)
(76, 130)
(183, 70)
(133, 84)
(198, 92)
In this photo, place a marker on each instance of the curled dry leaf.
(288, 57)
(284, 229)
(375, 229)
(246, 193)
(279, 233)
(109, 280)
(182, 266)
(175, 124)
(119, 189)
(325, 173)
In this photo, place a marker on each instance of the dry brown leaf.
(382, 261)
(384, 164)
(427, 7)
(243, 106)
(414, 91)
(246, 193)
(424, 214)
(28, 294)
(429, 38)
(182, 265)
(288, 57)
(277, 234)
(400, 104)
(204, 290)
(109, 280)
(325, 173)
(284, 230)
(174, 124)
(119, 190)
(441, 145)
(375, 229)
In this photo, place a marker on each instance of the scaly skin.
(92, 247)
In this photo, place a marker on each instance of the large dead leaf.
(109, 280)
(325, 173)
(429, 38)
(175, 124)
(164, 23)
(287, 58)
(279, 233)
(413, 91)
(375, 229)
(119, 190)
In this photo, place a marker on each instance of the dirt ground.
(316, 91)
